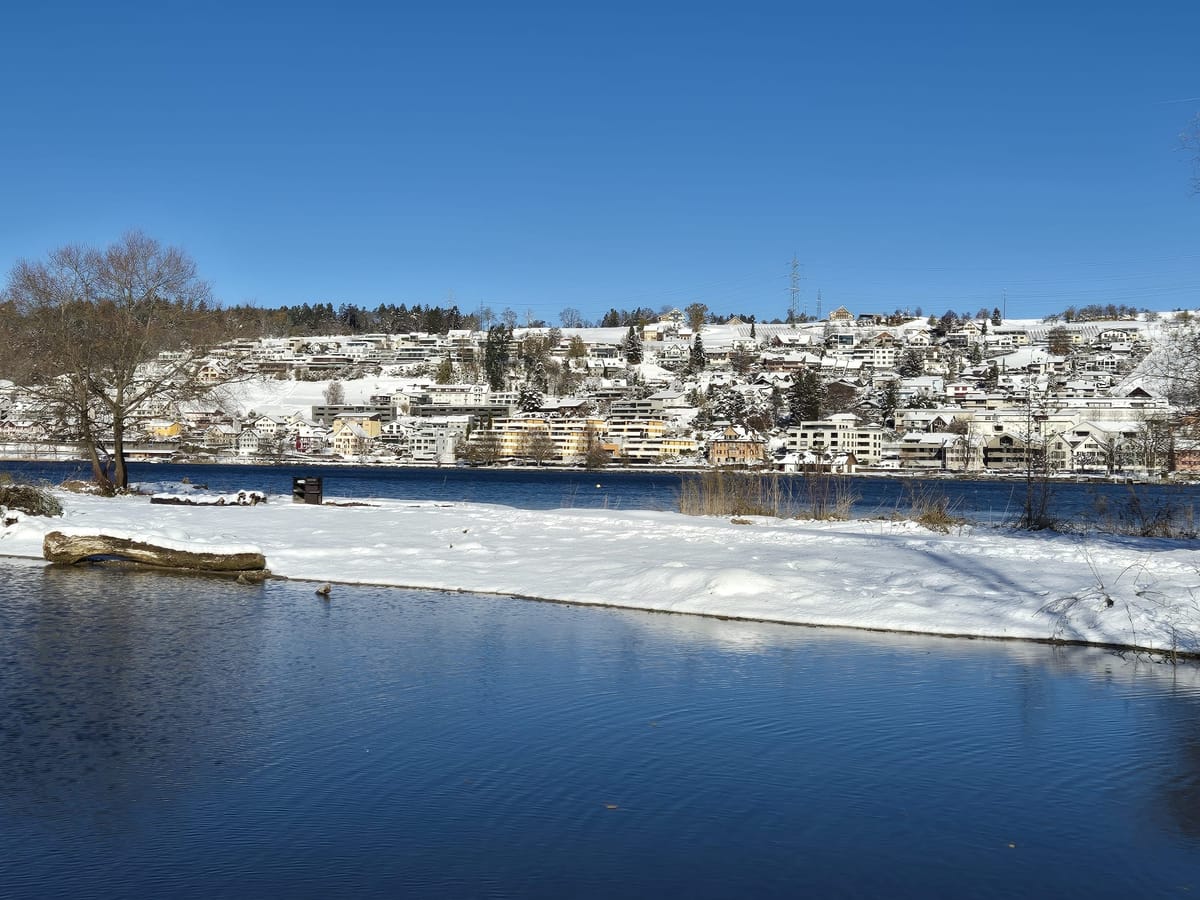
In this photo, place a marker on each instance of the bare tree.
(100, 336)
(1111, 445)
(1151, 442)
(1174, 365)
(483, 448)
(537, 445)
(335, 393)
(697, 315)
(596, 456)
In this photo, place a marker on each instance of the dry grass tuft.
(932, 509)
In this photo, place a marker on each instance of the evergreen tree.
(805, 397)
(992, 378)
(696, 360)
(728, 404)
(776, 404)
(889, 400)
(495, 356)
(996, 318)
(632, 346)
(530, 400)
(912, 363)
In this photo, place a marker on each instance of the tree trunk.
(120, 472)
(89, 441)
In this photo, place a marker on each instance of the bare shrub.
(932, 508)
(829, 496)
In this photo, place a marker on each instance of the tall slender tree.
(696, 359)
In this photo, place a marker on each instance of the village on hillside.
(1082, 396)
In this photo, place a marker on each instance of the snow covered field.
(863, 574)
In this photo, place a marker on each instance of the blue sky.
(547, 155)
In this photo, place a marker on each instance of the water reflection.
(199, 737)
(105, 701)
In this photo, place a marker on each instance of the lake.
(162, 736)
(987, 502)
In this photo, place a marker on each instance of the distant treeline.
(345, 318)
(1095, 312)
(390, 318)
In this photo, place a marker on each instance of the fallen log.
(241, 498)
(59, 547)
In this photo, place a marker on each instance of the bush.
(932, 509)
(26, 498)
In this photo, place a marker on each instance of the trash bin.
(307, 490)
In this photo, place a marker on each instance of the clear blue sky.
(548, 155)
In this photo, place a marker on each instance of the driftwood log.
(241, 498)
(75, 548)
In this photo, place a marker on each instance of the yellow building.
(570, 437)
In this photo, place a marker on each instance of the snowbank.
(862, 574)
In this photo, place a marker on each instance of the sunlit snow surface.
(865, 573)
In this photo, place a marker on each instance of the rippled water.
(172, 737)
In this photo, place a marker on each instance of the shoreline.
(1159, 655)
(1137, 594)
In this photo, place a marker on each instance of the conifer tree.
(495, 356)
(805, 397)
(696, 359)
(632, 346)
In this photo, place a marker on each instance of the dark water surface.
(164, 737)
(989, 502)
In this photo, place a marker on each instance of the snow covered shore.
(862, 574)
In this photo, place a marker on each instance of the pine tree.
(696, 360)
(912, 363)
(992, 378)
(530, 399)
(805, 397)
(996, 318)
(889, 400)
(729, 404)
(495, 356)
(632, 346)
